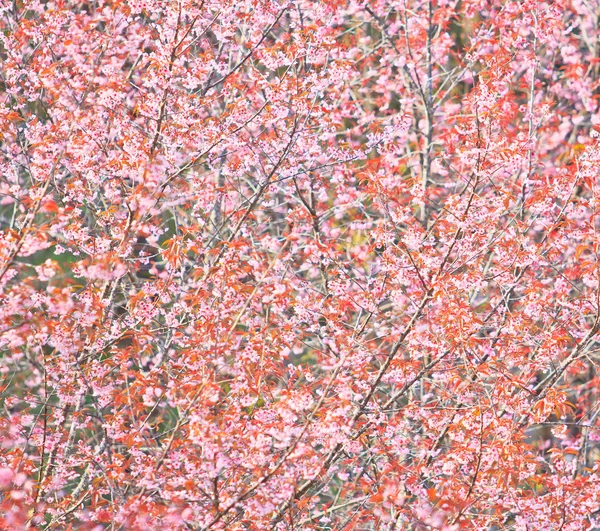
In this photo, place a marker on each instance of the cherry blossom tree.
(299, 264)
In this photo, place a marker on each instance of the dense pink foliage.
(299, 265)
